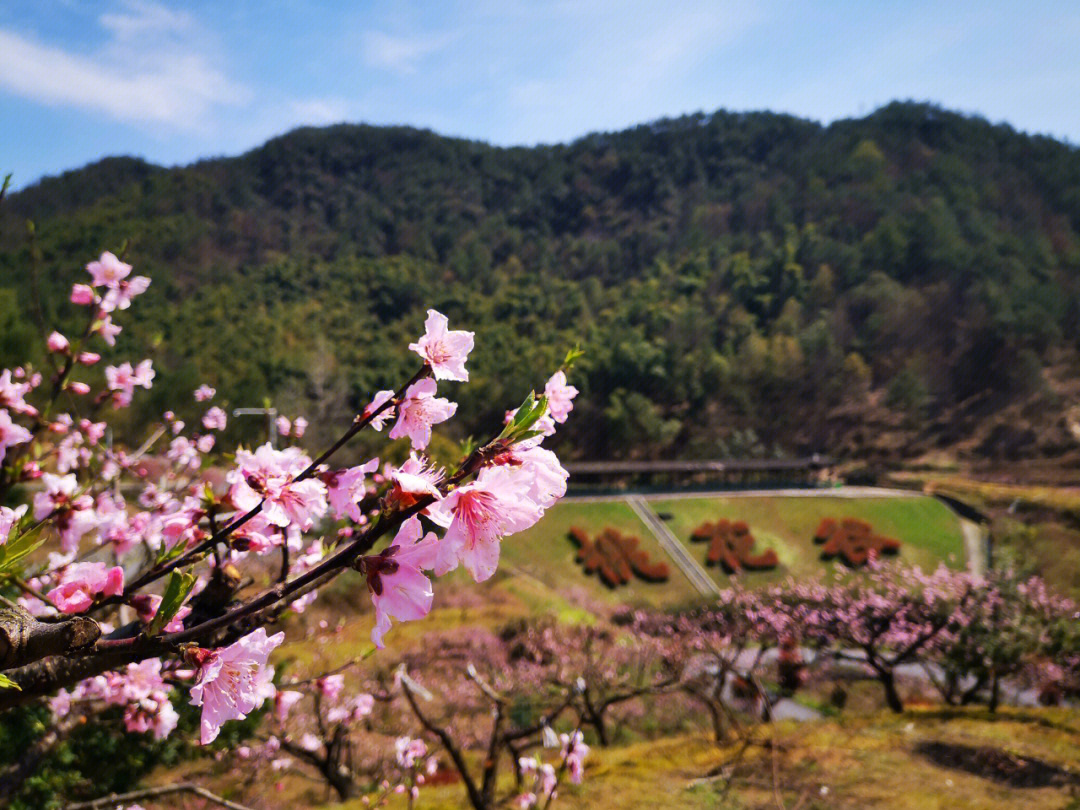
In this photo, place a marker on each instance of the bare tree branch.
(114, 799)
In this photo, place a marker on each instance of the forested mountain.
(740, 283)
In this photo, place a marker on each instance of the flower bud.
(82, 294)
(57, 343)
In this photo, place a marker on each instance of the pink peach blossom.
(267, 476)
(8, 518)
(284, 700)
(123, 379)
(10, 433)
(331, 686)
(108, 330)
(230, 681)
(57, 343)
(81, 582)
(444, 351)
(83, 294)
(377, 402)
(119, 297)
(419, 410)
(345, 488)
(399, 588)
(12, 394)
(108, 271)
(496, 504)
(283, 425)
(560, 396)
(214, 419)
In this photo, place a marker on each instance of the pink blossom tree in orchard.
(1011, 624)
(719, 651)
(889, 616)
(475, 691)
(609, 665)
(345, 736)
(126, 588)
(473, 708)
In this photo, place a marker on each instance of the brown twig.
(116, 799)
(476, 798)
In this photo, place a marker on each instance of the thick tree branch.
(24, 639)
(44, 677)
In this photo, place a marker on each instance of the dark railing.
(693, 474)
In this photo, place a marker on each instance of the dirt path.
(974, 546)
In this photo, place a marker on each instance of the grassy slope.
(546, 553)
(1049, 546)
(854, 762)
(927, 528)
(861, 762)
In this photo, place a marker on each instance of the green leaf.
(166, 554)
(7, 683)
(528, 434)
(468, 446)
(571, 357)
(180, 585)
(25, 543)
(538, 409)
(524, 409)
(520, 427)
(522, 413)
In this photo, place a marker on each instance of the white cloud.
(400, 54)
(319, 111)
(139, 18)
(149, 70)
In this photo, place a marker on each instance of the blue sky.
(173, 82)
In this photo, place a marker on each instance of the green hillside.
(742, 283)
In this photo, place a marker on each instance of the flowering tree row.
(495, 711)
(969, 632)
(125, 588)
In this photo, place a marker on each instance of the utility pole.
(271, 421)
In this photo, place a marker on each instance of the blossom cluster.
(139, 688)
(157, 531)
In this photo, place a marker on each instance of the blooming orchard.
(132, 584)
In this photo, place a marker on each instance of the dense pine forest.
(880, 289)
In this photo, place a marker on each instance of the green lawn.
(927, 528)
(545, 553)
